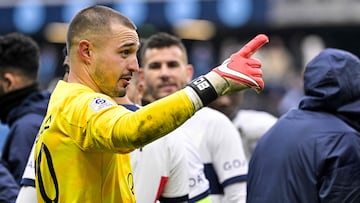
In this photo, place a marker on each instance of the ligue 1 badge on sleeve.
(101, 103)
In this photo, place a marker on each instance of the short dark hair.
(19, 52)
(161, 40)
(94, 21)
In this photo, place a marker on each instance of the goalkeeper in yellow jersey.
(82, 150)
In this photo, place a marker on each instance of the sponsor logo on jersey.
(229, 165)
(101, 103)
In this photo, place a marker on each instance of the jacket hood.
(331, 84)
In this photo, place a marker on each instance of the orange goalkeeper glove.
(236, 73)
(243, 69)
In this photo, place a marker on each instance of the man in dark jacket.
(23, 104)
(312, 154)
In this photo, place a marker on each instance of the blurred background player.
(165, 71)
(252, 124)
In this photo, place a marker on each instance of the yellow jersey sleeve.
(96, 122)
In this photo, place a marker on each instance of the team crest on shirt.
(101, 103)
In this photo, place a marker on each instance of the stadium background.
(211, 29)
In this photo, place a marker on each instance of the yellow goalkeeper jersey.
(81, 152)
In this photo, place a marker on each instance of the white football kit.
(160, 170)
(168, 169)
(220, 148)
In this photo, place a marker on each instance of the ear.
(189, 72)
(85, 50)
(8, 82)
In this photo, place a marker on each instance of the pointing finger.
(253, 45)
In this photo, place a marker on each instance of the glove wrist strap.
(204, 89)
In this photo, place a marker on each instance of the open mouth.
(126, 78)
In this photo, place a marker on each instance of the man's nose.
(134, 65)
(164, 69)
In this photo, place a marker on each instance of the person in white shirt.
(166, 70)
(252, 124)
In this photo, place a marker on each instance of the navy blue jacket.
(24, 121)
(312, 154)
(9, 188)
